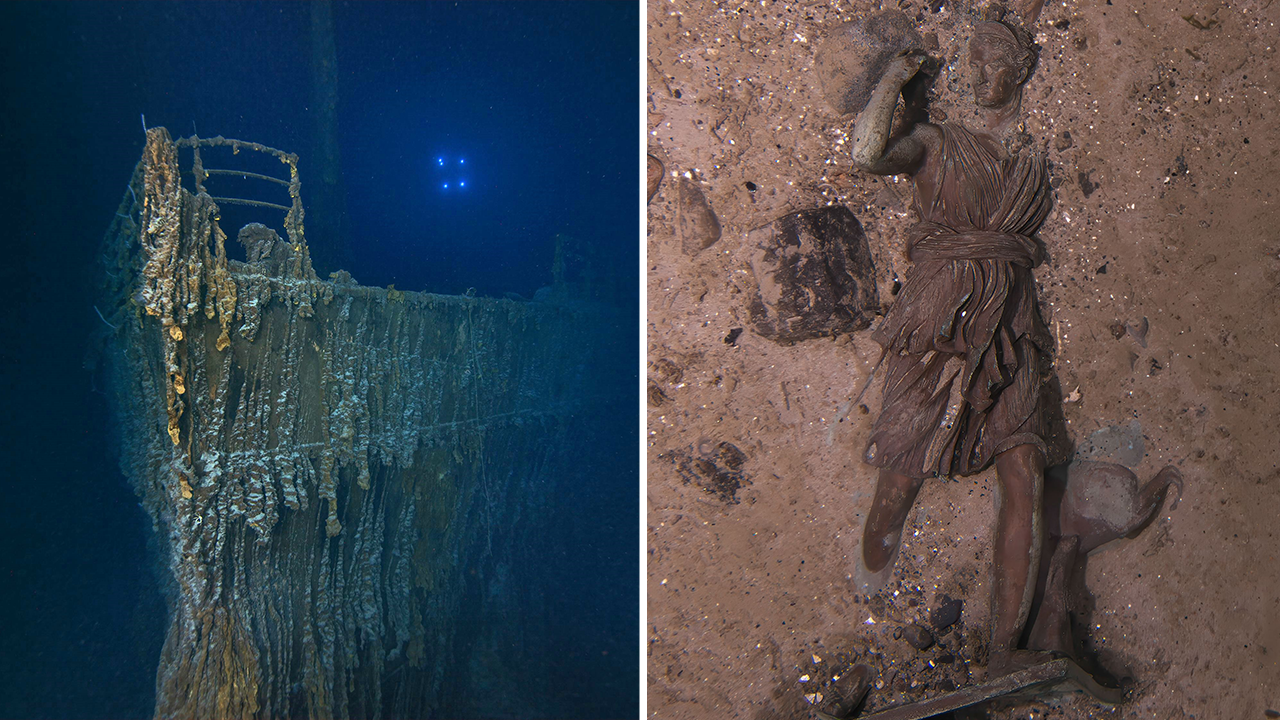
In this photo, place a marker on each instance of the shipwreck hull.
(351, 486)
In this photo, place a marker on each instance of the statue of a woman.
(967, 360)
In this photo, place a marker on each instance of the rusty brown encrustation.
(328, 466)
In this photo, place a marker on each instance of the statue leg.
(1052, 627)
(895, 494)
(1016, 555)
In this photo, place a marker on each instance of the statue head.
(1001, 59)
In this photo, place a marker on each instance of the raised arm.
(872, 151)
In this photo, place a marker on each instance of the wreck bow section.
(332, 469)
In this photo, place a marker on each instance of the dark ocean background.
(532, 105)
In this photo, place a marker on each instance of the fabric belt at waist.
(931, 241)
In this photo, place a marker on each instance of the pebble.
(919, 637)
(656, 171)
(854, 55)
(697, 223)
(946, 613)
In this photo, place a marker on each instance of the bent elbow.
(862, 159)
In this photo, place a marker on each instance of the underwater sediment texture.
(328, 465)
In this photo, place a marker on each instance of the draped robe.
(967, 355)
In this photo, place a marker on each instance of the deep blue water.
(532, 105)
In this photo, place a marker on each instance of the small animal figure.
(1087, 505)
(1100, 502)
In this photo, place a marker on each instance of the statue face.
(994, 77)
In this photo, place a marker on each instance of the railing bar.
(251, 203)
(235, 146)
(278, 181)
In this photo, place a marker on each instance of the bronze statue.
(967, 357)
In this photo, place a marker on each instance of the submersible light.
(445, 175)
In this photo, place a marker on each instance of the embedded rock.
(918, 637)
(854, 55)
(655, 171)
(947, 613)
(814, 276)
(698, 225)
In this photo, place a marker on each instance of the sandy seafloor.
(1171, 111)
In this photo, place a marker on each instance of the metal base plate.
(1055, 677)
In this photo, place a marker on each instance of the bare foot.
(869, 583)
(895, 494)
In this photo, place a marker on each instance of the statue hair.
(997, 29)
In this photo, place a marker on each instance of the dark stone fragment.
(732, 337)
(947, 684)
(946, 658)
(847, 692)
(946, 613)
(1087, 185)
(918, 637)
(667, 370)
(730, 456)
(877, 606)
(656, 396)
(698, 225)
(854, 55)
(814, 276)
(710, 474)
